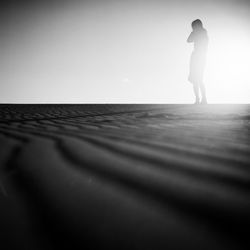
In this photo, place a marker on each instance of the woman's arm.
(191, 38)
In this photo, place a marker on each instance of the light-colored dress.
(198, 58)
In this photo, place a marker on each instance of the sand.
(125, 176)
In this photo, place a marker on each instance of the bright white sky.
(121, 51)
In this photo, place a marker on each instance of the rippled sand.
(125, 176)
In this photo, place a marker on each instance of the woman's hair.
(197, 24)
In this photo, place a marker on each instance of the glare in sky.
(227, 73)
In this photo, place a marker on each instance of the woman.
(199, 37)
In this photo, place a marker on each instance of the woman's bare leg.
(203, 93)
(196, 92)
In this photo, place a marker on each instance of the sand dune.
(125, 176)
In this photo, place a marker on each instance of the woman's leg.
(196, 92)
(203, 93)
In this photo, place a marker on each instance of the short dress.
(198, 56)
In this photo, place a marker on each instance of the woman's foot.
(204, 101)
(197, 101)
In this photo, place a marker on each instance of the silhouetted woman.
(198, 60)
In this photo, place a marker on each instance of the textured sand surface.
(125, 176)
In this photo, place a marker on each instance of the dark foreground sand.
(125, 177)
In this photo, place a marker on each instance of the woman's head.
(197, 24)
